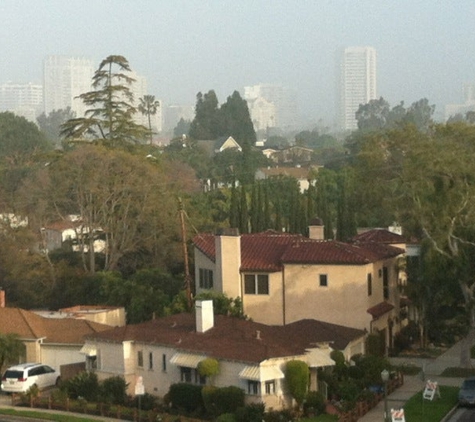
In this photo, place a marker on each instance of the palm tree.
(148, 107)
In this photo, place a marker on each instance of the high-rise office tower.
(357, 83)
(24, 100)
(64, 78)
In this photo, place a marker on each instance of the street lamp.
(385, 378)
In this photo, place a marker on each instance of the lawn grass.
(45, 416)
(458, 372)
(418, 410)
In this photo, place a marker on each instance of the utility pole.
(185, 254)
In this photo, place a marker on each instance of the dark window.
(253, 387)
(206, 278)
(370, 284)
(256, 284)
(270, 387)
(323, 280)
(199, 379)
(185, 374)
(140, 359)
(385, 283)
(164, 363)
(150, 360)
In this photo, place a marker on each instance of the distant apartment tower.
(25, 100)
(452, 110)
(357, 83)
(64, 78)
(278, 110)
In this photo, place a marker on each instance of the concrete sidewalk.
(414, 384)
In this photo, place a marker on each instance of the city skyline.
(184, 47)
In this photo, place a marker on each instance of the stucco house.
(251, 355)
(282, 278)
(51, 341)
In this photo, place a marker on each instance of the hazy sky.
(425, 48)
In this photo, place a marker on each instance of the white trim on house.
(261, 373)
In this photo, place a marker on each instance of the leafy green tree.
(50, 124)
(296, 377)
(206, 124)
(12, 349)
(148, 107)
(182, 128)
(346, 223)
(110, 118)
(237, 120)
(243, 212)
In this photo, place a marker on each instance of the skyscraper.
(24, 100)
(64, 78)
(357, 83)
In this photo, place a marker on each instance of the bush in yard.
(296, 377)
(250, 413)
(185, 396)
(226, 417)
(113, 390)
(208, 394)
(208, 368)
(85, 385)
(374, 345)
(279, 416)
(371, 367)
(147, 402)
(315, 401)
(228, 399)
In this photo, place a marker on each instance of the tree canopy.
(110, 118)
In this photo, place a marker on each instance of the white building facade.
(64, 79)
(357, 83)
(24, 100)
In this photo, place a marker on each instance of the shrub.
(208, 367)
(316, 401)
(374, 345)
(114, 390)
(147, 402)
(228, 399)
(185, 396)
(296, 377)
(278, 416)
(226, 417)
(208, 394)
(85, 385)
(251, 413)
(338, 357)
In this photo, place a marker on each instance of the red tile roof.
(379, 236)
(233, 338)
(269, 251)
(380, 309)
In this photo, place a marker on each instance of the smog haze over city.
(424, 48)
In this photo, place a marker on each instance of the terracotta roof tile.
(232, 338)
(380, 309)
(268, 251)
(379, 236)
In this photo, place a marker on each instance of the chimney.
(316, 229)
(228, 262)
(2, 298)
(204, 315)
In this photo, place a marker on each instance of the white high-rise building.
(64, 79)
(24, 100)
(278, 110)
(357, 83)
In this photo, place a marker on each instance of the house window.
(380, 273)
(150, 361)
(370, 284)
(270, 387)
(253, 387)
(323, 280)
(206, 278)
(199, 379)
(140, 359)
(185, 374)
(256, 284)
(164, 363)
(385, 283)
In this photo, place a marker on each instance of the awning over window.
(88, 350)
(317, 358)
(187, 360)
(261, 373)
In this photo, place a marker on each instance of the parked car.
(19, 378)
(467, 392)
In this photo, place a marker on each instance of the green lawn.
(419, 410)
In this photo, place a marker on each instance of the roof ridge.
(27, 322)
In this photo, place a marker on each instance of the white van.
(19, 378)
